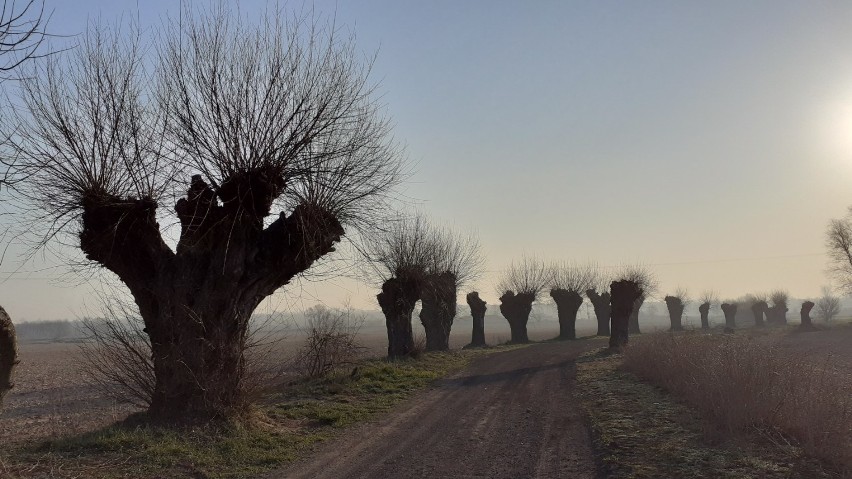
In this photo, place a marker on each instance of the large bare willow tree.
(270, 135)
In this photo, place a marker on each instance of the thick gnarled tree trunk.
(634, 315)
(8, 353)
(758, 309)
(477, 312)
(805, 313)
(730, 311)
(776, 315)
(624, 295)
(603, 310)
(675, 307)
(704, 311)
(438, 296)
(397, 301)
(516, 308)
(567, 305)
(196, 302)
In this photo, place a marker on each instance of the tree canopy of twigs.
(642, 275)
(573, 276)
(527, 276)
(232, 119)
(779, 297)
(413, 246)
(22, 32)
(709, 297)
(838, 242)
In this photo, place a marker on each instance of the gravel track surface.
(509, 415)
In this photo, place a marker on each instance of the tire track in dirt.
(509, 415)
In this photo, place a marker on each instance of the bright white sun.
(835, 123)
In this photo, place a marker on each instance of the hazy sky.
(712, 140)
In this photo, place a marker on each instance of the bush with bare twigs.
(827, 305)
(331, 341)
(568, 282)
(519, 286)
(745, 383)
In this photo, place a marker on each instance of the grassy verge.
(297, 418)
(641, 432)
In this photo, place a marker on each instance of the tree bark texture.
(567, 305)
(477, 312)
(730, 311)
(675, 307)
(516, 308)
(438, 296)
(8, 353)
(397, 300)
(758, 309)
(603, 310)
(634, 315)
(704, 310)
(196, 302)
(624, 295)
(807, 324)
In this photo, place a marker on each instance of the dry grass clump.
(743, 384)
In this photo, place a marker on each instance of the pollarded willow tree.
(729, 309)
(708, 299)
(756, 302)
(644, 277)
(519, 286)
(777, 313)
(477, 313)
(239, 120)
(568, 281)
(454, 261)
(624, 293)
(676, 303)
(415, 260)
(599, 295)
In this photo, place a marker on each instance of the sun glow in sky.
(711, 140)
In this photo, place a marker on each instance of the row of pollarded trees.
(524, 280)
(765, 308)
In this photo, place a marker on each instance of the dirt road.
(510, 415)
